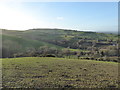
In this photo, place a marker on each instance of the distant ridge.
(106, 32)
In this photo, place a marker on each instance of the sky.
(83, 16)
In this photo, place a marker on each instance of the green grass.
(24, 43)
(67, 37)
(78, 50)
(43, 72)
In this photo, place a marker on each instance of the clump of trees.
(40, 52)
(101, 50)
(45, 51)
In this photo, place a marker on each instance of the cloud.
(60, 18)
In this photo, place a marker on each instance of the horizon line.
(63, 29)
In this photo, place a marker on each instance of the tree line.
(45, 51)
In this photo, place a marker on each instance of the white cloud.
(60, 18)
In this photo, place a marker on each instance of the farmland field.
(48, 72)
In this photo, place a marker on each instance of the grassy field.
(46, 72)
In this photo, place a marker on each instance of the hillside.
(44, 72)
(48, 34)
(75, 41)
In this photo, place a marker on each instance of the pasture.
(48, 72)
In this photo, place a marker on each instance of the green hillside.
(60, 42)
(58, 58)
(26, 42)
(57, 34)
(16, 44)
(44, 72)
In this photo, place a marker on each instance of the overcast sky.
(86, 16)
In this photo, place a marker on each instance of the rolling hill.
(14, 41)
(36, 67)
